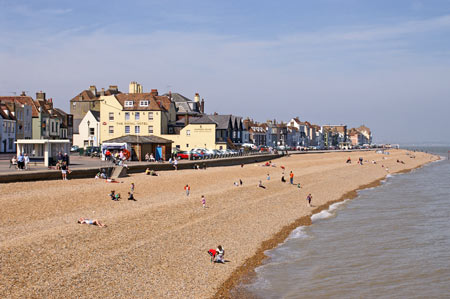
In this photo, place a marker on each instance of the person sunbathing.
(91, 221)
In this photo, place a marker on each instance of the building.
(335, 135)
(185, 106)
(161, 148)
(256, 132)
(89, 100)
(365, 131)
(8, 129)
(140, 114)
(89, 130)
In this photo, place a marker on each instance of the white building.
(88, 130)
(7, 130)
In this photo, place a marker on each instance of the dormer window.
(129, 103)
(143, 103)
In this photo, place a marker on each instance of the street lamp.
(89, 131)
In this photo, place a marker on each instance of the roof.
(153, 99)
(363, 128)
(184, 105)
(88, 95)
(336, 128)
(25, 100)
(139, 139)
(6, 115)
(205, 119)
(96, 114)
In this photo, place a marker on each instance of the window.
(188, 132)
(150, 115)
(137, 129)
(129, 103)
(111, 116)
(127, 129)
(127, 115)
(91, 131)
(150, 129)
(111, 129)
(143, 103)
(137, 116)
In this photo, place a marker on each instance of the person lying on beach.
(91, 221)
(150, 172)
(349, 161)
(236, 184)
(260, 185)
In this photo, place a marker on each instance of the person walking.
(187, 188)
(132, 189)
(308, 199)
(175, 163)
(291, 177)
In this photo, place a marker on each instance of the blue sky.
(384, 64)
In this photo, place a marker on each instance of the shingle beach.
(156, 247)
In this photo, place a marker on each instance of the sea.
(391, 241)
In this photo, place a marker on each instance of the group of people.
(116, 196)
(149, 158)
(20, 162)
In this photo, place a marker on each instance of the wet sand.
(157, 246)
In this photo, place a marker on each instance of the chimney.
(197, 98)
(186, 119)
(93, 89)
(40, 95)
(202, 106)
(154, 92)
(23, 94)
(102, 92)
(170, 95)
(113, 88)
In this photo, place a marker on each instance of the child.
(187, 188)
(130, 196)
(117, 197)
(112, 195)
(291, 177)
(132, 188)
(213, 254)
(282, 179)
(203, 201)
(220, 254)
(268, 177)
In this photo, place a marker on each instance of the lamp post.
(89, 131)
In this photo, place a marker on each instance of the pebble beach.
(156, 247)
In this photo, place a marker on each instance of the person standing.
(187, 188)
(175, 163)
(308, 199)
(132, 189)
(291, 177)
(20, 161)
(203, 201)
(26, 160)
(64, 169)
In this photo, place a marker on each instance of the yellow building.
(145, 114)
(140, 114)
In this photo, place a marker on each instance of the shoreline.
(246, 271)
(39, 235)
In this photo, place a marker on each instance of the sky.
(384, 63)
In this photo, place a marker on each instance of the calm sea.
(392, 241)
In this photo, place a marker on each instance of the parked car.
(183, 155)
(91, 150)
(74, 148)
(195, 155)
